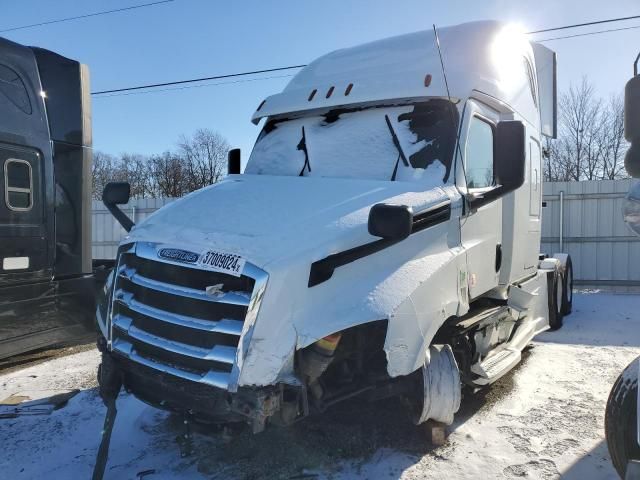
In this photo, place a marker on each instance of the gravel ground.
(542, 421)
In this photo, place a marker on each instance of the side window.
(479, 154)
(532, 82)
(18, 185)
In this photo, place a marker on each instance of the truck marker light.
(330, 92)
(348, 90)
(313, 94)
(427, 80)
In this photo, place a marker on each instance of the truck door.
(481, 230)
(23, 243)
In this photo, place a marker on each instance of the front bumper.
(201, 402)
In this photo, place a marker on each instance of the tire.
(620, 421)
(567, 297)
(109, 379)
(555, 291)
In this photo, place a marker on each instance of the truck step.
(495, 366)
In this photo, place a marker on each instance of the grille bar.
(226, 325)
(212, 377)
(230, 298)
(219, 353)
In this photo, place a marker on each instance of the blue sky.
(197, 38)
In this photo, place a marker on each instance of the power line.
(122, 94)
(255, 72)
(576, 25)
(588, 33)
(193, 80)
(95, 14)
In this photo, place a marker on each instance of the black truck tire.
(109, 379)
(555, 290)
(620, 420)
(567, 290)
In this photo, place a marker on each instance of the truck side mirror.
(391, 222)
(632, 126)
(233, 161)
(509, 160)
(114, 194)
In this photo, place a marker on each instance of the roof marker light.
(427, 80)
(348, 90)
(330, 92)
(312, 94)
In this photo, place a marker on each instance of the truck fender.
(415, 323)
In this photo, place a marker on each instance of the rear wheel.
(555, 284)
(567, 297)
(620, 421)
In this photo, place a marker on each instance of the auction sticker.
(222, 262)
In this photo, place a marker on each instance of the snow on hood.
(264, 218)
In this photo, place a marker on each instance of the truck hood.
(265, 218)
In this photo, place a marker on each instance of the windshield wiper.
(303, 146)
(396, 142)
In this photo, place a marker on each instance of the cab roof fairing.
(394, 70)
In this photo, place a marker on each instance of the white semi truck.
(383, 240)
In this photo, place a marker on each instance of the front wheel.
(621, 419)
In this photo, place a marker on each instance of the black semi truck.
(47, 278)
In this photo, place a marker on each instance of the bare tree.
(134, 168)
(205, 154)
(579, 112)
(103, 172)
(200, 160)
(590, 144)
(169, 175)
(614, 145)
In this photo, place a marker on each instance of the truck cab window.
(18, 183)
(479, 154)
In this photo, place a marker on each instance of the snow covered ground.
(543, 421)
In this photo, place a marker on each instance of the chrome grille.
(162, 316)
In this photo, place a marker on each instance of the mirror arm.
(477, 200)
(120, 216)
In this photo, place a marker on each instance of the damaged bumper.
(204, 403)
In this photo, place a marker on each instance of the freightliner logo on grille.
(178, 255)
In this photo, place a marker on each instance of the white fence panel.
(585, 220)
(107, 232)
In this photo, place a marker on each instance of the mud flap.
(110, 383)
(441, 386)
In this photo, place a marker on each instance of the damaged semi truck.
(383, 241)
